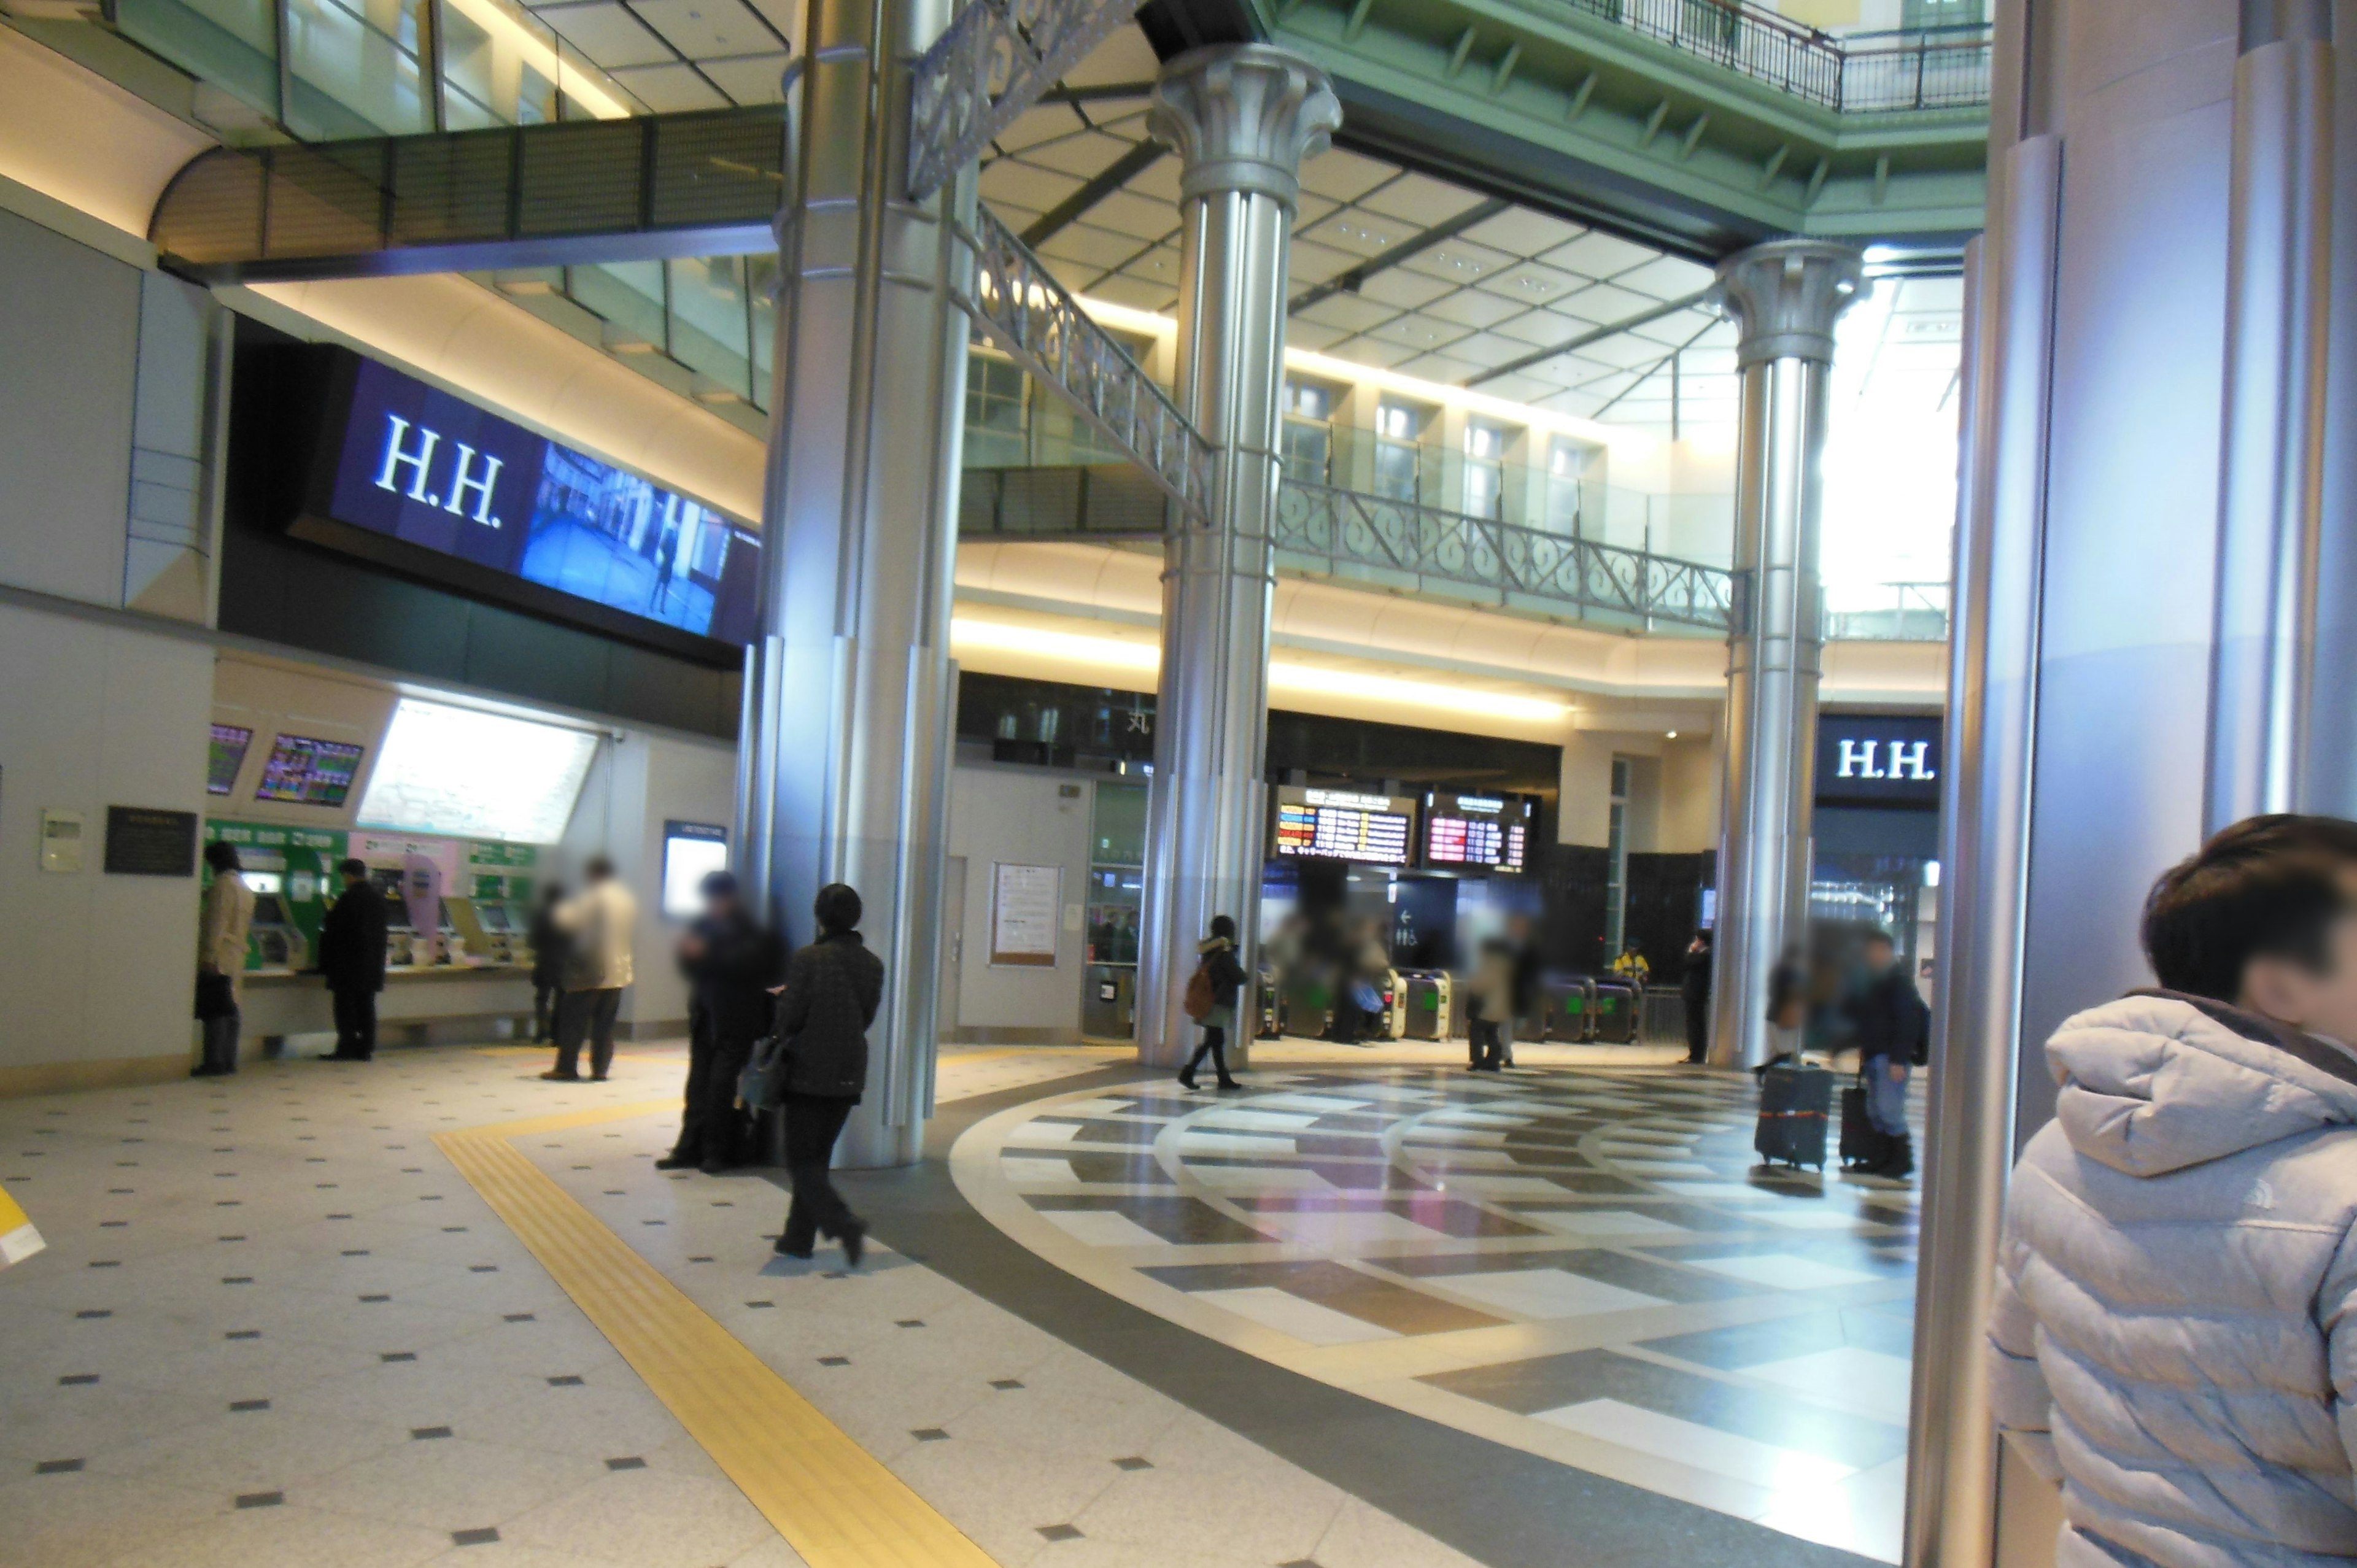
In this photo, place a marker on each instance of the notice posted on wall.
(1025, 914)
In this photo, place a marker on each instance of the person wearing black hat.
(730, 960)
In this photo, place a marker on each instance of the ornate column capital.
(1241, 117)
(1785, 297)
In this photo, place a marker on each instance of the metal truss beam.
(988, 68)
(1352, 281)
(1112, 178)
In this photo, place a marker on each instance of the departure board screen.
(226, 757)
(307, 772)
(1489, 832)
(1342, 824)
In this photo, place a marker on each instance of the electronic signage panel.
(466, 773)
(1489, 832)
(303, 771)
(225, 757)
(1343, 824)
(423, 466)
(692, 852)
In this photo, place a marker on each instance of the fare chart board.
(1343, 824)
(1492, 832)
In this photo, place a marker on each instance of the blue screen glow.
(421, 466)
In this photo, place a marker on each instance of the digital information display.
(418, 465)
(1491, 832)
(307, 772)
(1342, 824)
(692, 851)
(227, 756)
(471, 774)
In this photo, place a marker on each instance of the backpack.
(1198, 1001)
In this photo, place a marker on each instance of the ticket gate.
(1304, 1008)
(1391, 1023)
(1109, 1005)
(1570, 1002)
(1614, 1013)
(1431, 996)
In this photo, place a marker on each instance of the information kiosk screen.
(307, 772)
(1342, 824)
(1489, 832)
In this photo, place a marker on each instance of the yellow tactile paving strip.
(834, 1502)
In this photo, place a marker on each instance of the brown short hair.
(2267, 887)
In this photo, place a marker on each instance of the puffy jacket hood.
(2157, 1081)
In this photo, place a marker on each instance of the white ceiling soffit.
(78, 139)
(675, 55)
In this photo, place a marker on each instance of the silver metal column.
(1241, 118)
(2270, 492)
(1785, 297)
(851, 708)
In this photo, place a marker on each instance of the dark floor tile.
(1750, 1344)
(473, 1537)
(1451, 1217)
(259, 1499)
(427, 1434)
(1137, 1170)
(930, 1435)
(1182, 1221)
(243, 1406)
(1642, 1274)
(1134, 1134)
(89, 1311)
(1334, 1286)
(397, 1356)
(76, 1380)
(835, 1360)
(1004, 1384)
(1133, 1462)
(1059, 1532)
(1367, 1177)
(567, 1381)
(57, 1467)
(632, 1463)
(1550, 1381)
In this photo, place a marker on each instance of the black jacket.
(352, 940)
(833, 989)
(1696, 981)
(729, 982)
(1219, 958)
(1889, 1018)
(549, 945)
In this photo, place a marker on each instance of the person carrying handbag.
(815, 1066)
(1210, 1000)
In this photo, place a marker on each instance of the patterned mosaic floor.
(1581, 1262)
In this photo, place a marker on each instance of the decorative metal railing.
(1916, 612)
(1036, 321)
(1344, 532)
(1939, 67)
(990, 65)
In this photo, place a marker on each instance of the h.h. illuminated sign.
(1884, 759)
(417, 459)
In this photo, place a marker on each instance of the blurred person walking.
(2174, 1327)
(1694, 991)
(223, 919)
(1489, 1011)
(549, 947)
(601, 925)
(731, 961)
(353, 942)
(1892, 1028)
(1218, 980)
(819, 1069)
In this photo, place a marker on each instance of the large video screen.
(471, 774)
(423, 466)
(1342, 824)
(303, 771)
(1490, 832)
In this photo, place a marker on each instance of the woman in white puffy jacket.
(2174, 1338)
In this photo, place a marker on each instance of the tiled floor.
(1577, 1261)
(273, 1325)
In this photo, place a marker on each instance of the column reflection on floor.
(1581, 1262)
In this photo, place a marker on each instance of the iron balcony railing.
(1935, 67)
(1348, 536)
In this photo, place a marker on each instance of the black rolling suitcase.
(1794, 1104)
(1862, 1146)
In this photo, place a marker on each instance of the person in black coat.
(1891, 1027)
(730, 961)
(550, 942)
(1693, 987)
(352, 956)
(1217, 955)
(833, 990)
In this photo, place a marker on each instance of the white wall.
(99, 969)
(638, 782)
(1020, 816)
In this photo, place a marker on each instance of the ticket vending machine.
(401, 945)
(274, 941)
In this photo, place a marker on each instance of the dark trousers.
(355, 1023)
(590, 1014)
(220, 1042)
(544, 1000)
(1485, 1042)
(1697, 1026)
(1214, 1045)
(813, 1124)
(712, 1130)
